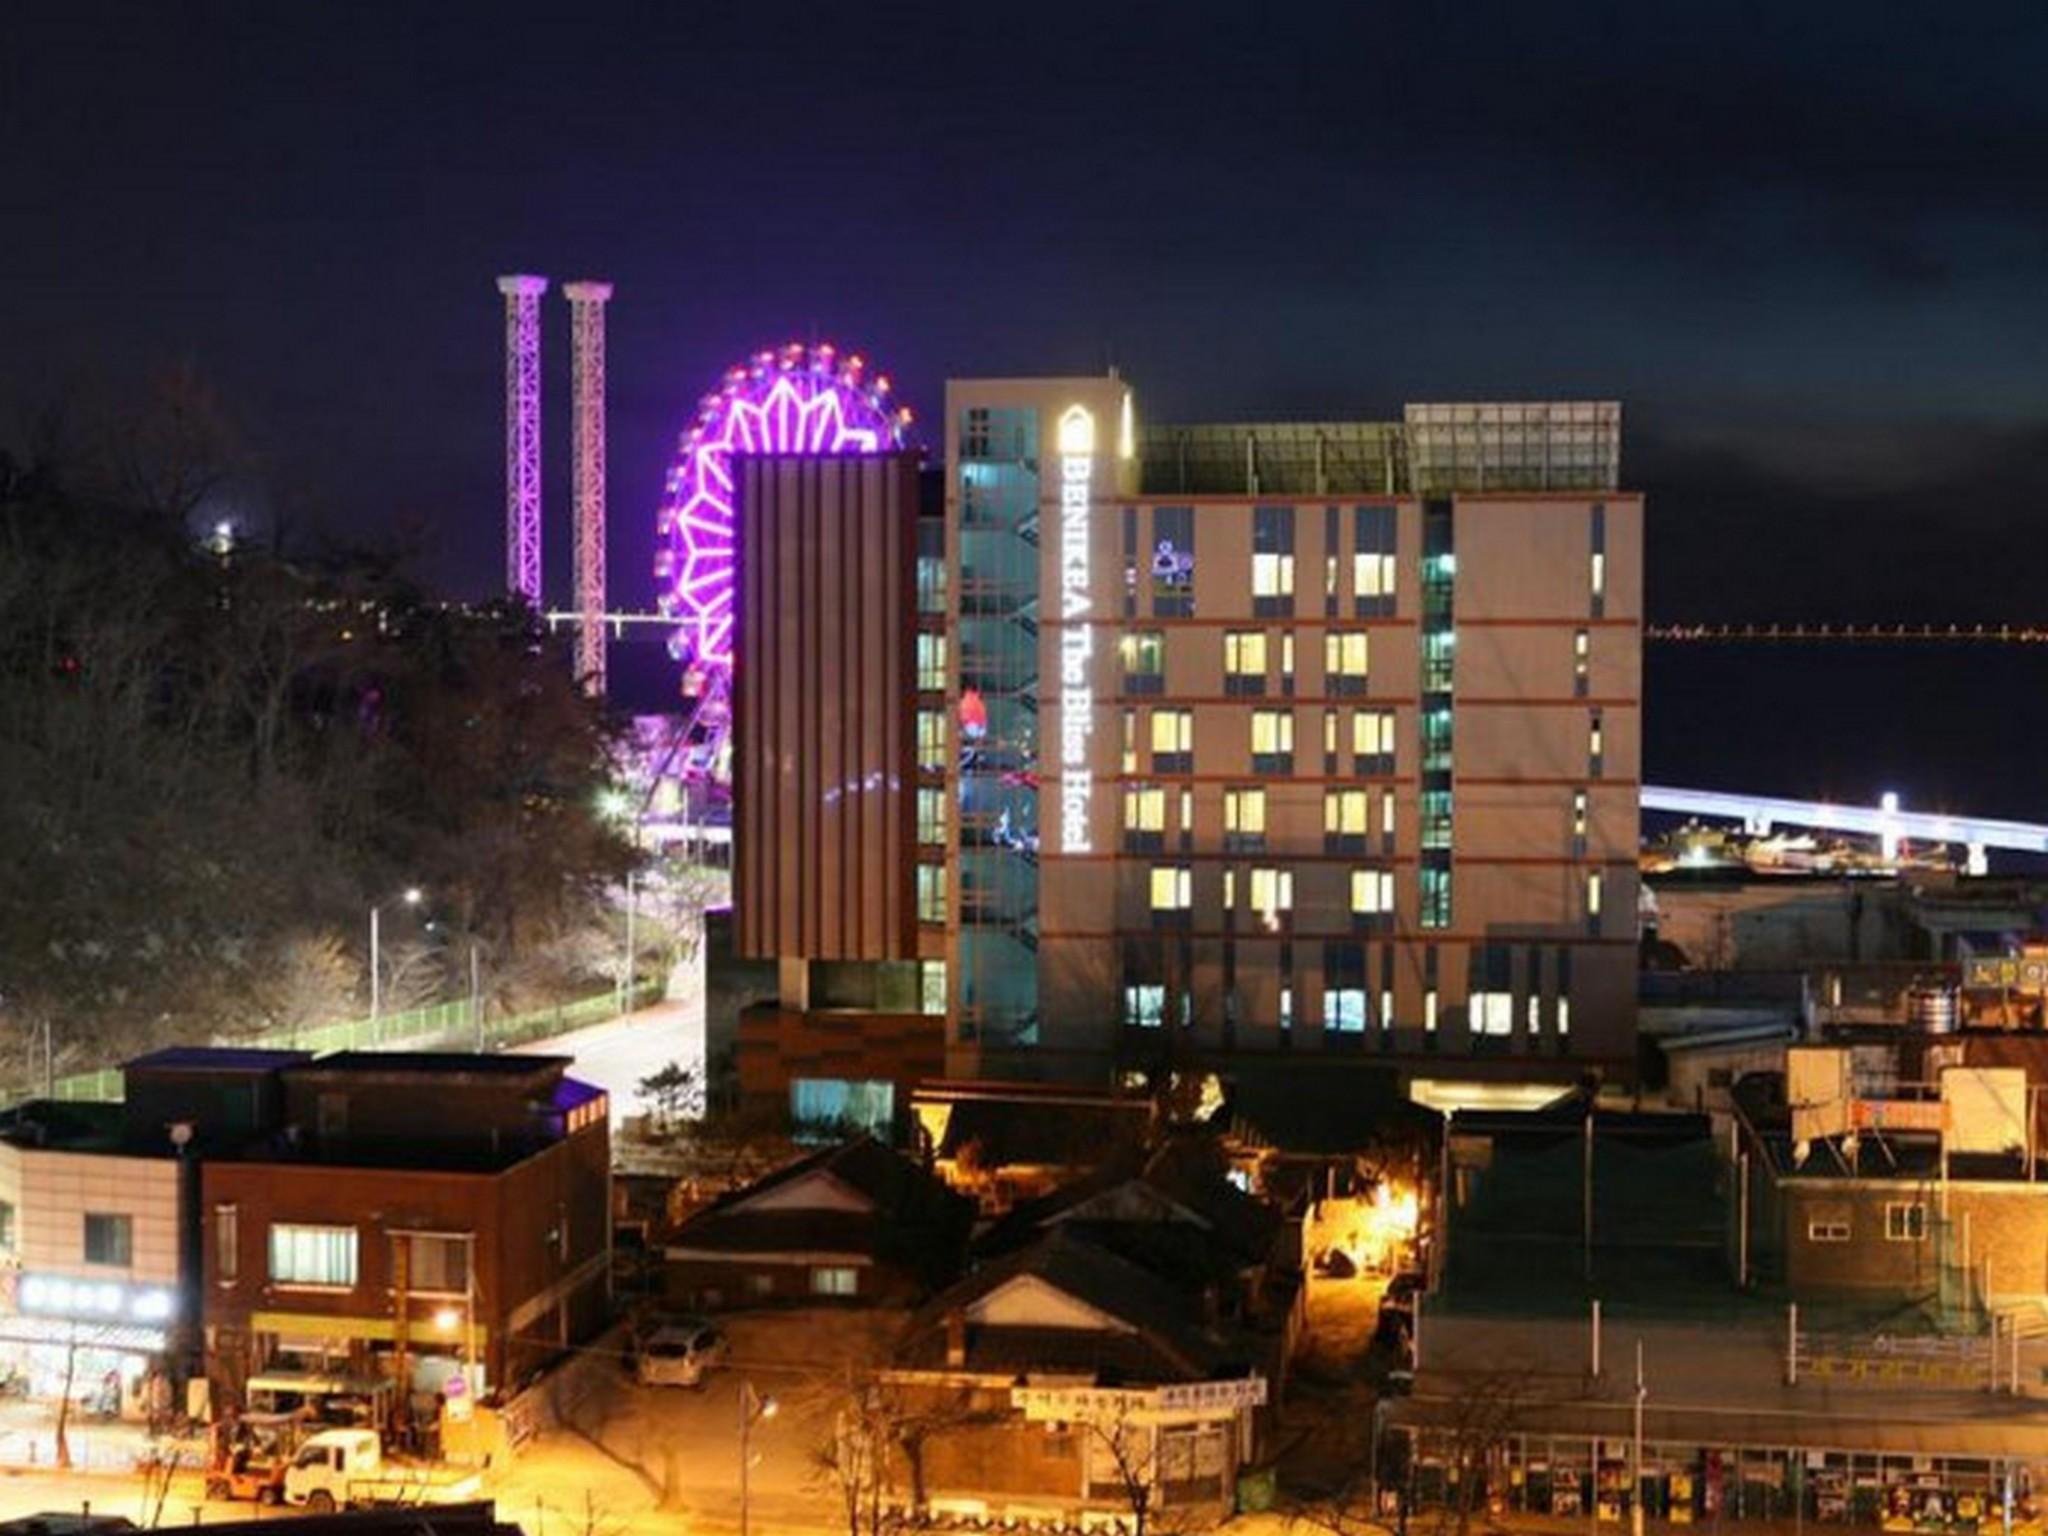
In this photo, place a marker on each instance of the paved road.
(617, 1054)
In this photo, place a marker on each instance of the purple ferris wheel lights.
(797, 400)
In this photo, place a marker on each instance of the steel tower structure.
(586, 347)
(522, 435)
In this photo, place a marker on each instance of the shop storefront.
(104, 1366)
(1689, 1483)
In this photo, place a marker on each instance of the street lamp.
(753, 1408)
(412, 897)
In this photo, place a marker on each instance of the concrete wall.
(2007, 1224)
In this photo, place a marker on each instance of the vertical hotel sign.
(1077, 634)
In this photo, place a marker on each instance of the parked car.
(679, 1353)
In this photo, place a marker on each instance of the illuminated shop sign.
(1077, 635)
(97, 1300)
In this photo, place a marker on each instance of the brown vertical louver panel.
(824, 782)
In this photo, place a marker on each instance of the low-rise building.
(855, 1223)
(1002, 1142)
(413, 1218)
(1078, 1382)
(92, 1289)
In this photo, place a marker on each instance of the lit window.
(1372, 891)
(1173, 888)
(1593, 893)
(1187, 809)
(1535, 1014)
(1582, 661)
(1272, 731)
(1436, 897)
(1596, 738)
(1387, 813)
(1287, 1007)
(1173, 730)
(1145, 1005)
(1272, 891)
(931, 893)
(1386, 1008)
(1244, 653)
(1493, 1013)
(931, 986)
(1287, 653)
(1330, 568)
(1244, 810)
(1429, 1011)
(1599, 573)
(1345, 659)
(1144, 808)
(931, 739)
(1578, 813)
(1130, 741)
(1372, 573)
(1345, 812)
(1344, 1010)
(1905, 1221)
(931, 662)
(1144, 660)
(1272, 575)
(1330, 732)
(1564, 1015)
(931, 816)
(837, 1280)
(1372, 733)
(323, 1256)
(1229, 889)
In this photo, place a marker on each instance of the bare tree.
(1484, 1410)
(874, 1460)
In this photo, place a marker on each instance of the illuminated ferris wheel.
(796, 400)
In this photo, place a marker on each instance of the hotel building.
(1234, 741)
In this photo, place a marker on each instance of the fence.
(453, 1024)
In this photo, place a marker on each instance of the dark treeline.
(214, 758)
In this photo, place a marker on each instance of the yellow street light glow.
(447, 1319)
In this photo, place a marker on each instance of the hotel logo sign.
(1076, 634)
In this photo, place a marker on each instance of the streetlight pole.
(753, 1407)
(1635, 1520)
(413, 897)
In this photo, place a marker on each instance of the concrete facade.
(51, 1194)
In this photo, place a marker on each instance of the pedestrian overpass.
(1885, 821)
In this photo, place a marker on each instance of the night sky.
(1806, 245)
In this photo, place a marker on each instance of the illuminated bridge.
(1885, 821)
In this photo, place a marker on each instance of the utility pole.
(632, 954)
(1586, 1194)
(1635, 1502)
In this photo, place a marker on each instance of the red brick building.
(406, 1216)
